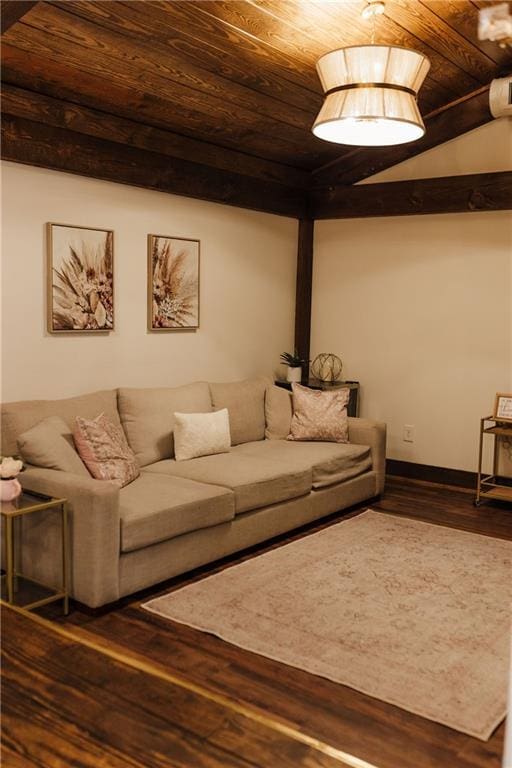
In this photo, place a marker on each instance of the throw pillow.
(278, 413)
(147, 417)
(201, 434)
(104, 450)
(245, 401)
(49, 444)
(319, 414)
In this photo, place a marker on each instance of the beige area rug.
(414, 614)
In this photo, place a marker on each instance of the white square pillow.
(201, 434)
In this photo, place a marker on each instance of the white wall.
(420, 310)
(248, 265)
(484, 150)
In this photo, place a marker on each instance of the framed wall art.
(80, 279)
(173, 283)
(503, 406)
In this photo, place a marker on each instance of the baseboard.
(432, 474)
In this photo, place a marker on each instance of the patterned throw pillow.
(104, 450)
(319, 414)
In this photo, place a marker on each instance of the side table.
(353, 400)
(27, 503)
(493, 486)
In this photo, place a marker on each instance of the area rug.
(414, 614)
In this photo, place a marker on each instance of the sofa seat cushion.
(255, 481)
(158, 507)
(330, 462)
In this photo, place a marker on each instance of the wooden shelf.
(507, 431)
(502, 493)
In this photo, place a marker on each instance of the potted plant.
(295, 364)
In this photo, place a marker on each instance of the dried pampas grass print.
(82, 291)
(173, 300)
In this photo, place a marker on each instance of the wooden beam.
(303, 290)
(461, 116)
(62, 80)
(448, 194)
(12, 11)
(25, 141)
(92, 122)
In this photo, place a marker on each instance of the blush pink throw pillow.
(103, 448)
(319, 414)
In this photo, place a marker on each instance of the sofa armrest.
(95, 533)
(372, 433)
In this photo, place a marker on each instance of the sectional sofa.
(179, 515)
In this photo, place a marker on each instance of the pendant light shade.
(370, 95)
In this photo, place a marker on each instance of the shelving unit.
(493, 486)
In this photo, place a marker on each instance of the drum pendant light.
(370, 93)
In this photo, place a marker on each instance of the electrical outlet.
(408, 436)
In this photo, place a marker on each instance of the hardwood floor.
(127, 688)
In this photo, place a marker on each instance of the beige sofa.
(179, 515)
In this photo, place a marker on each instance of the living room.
(131, 131)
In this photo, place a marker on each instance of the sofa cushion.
(278, 413)
(148, 416)
(157, 507)
(20, 416)
(245, 401)
(255, 481)
(330, 462)
(49, 444)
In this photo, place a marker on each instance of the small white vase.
(294, 374)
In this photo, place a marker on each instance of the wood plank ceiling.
(216, 98)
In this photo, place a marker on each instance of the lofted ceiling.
(229, 86)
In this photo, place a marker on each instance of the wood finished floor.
(66, 702)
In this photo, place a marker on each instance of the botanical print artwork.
(80, 281)
(173, 283)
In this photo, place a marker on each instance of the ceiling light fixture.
(373, 8)
(371, 92)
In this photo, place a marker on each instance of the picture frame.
(80, 279)
(503, 406)
(173, 283)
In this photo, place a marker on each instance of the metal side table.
(27, 503)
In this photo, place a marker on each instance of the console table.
(353, 399)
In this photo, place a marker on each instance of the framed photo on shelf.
(80, 279)
(173, 283)
(503, 407)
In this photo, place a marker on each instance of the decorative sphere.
(326, 367)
